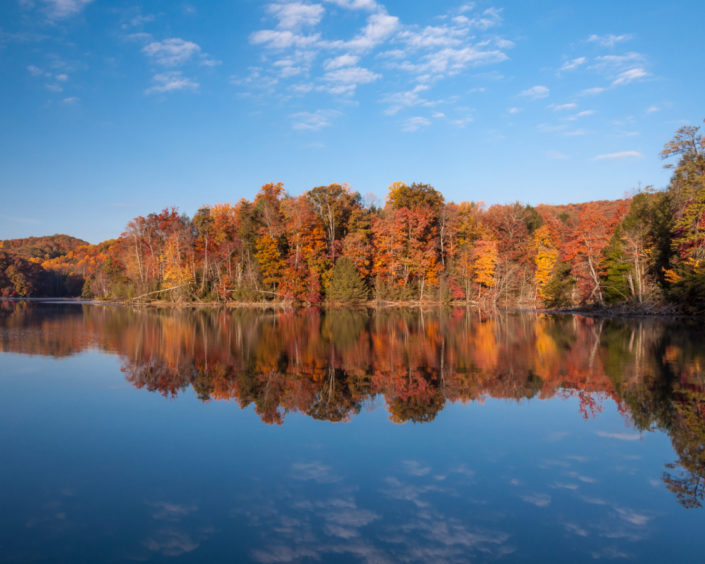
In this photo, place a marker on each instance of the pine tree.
(346, 284)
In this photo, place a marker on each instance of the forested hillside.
(22, 270)
(44, 248)
(325, 245)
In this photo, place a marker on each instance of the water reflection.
(330, 365)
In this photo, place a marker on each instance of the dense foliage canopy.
(649, 249)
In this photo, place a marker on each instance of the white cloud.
(71, 100)
(370, 5)
(406, 99)
(609, 40)
(171, 52)
(35, 71)
(561, 107)
(584, 113)
(379, 27)
(295, 15)
(346, 80)
(313, 121)
(138, 21)
(462, 121)
(613, 156)
(592, 91)
(448, 61)
(491, 17)
(171, 82)
(60, 9)
(573, 64)
(607, 62)
(336, 64)
(535, 92)
(415, 123)
(433, 36)
(63, 77)
(652, 109)
(629, 76)
(283, 39)
(341, 61)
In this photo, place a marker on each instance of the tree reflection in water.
(330, 364)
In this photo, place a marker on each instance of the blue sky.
(111, 110)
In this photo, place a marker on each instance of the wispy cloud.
(592, 91)
(535, 92)
(370, 5)
(451, 61)
(415, 123)
(170, 82)
(346, 80)
(55, 81)
(616, 156)
(294, 15)
(171, 52)
(400, 100)
(609, 40)
(621, 69)
(346, 60)
(629, 76)
(61, 9)
(296, 44)
(313, 121)
(379, 27)
(573, 64)
(283, 39)
(562, 107)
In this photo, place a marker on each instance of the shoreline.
(614, 312)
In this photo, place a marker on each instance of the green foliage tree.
(560, 287)
(414, 197)
(347, 285)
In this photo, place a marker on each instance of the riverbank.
(607, 311)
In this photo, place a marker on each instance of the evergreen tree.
(346, 284)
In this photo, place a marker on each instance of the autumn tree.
(545, 258)
(270, 247)
(333, 205)
(584, 250)
(407, 258)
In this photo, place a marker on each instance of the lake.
(348, 436)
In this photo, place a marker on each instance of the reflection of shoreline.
(634, 311)
(328, 364)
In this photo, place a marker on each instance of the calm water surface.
(348, 436)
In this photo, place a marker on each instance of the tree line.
(325, 245)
